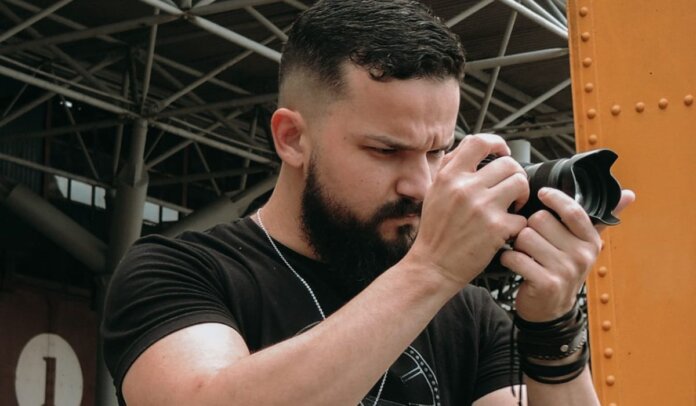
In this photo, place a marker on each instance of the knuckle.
(576, 213)
(538, 218)
(521, 181)
(475, 140)
(549, 285)
(525, 235)
(582, 259)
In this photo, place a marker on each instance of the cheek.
(359, 184)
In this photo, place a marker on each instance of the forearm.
(339, 360)
(578, 392)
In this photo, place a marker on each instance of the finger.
(530, 242)
(552, 230)
(472, 150)
(523, 265)
(571, 213)
(512, 189)
(498, 170)
(627, 198)
(515, 223)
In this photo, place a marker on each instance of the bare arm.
(209, 364)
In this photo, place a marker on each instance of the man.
(350, 285)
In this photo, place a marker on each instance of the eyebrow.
(398, 144)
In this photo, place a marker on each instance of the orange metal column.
(633, 65)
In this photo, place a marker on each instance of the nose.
(415, 178)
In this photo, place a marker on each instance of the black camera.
(586, 177)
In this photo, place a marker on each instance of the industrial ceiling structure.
(122, 118)
(165, 105)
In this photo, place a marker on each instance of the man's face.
(373, 157)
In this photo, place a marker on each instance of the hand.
(555, 256)
(465, 218)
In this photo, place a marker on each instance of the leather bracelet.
(556, 374)
(556, 339)
(545, 325)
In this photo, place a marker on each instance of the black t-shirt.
(231, 275)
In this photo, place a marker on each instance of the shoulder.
(200, 251)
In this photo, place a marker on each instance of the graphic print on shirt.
(411, 381)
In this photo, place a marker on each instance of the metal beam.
(239, 102)
(212, 143)
(470, 89)
(148, 63)
(94, 125)
(548, 94)
(510, 91)
(64, 91)
(225, 6)
(58, 19)
(31, 20)
(537, 133)
(162, 104)
(166, 61)
(467, 13)
(82, 73)
(267, 23)
(193, 96)
(557, 12)
(516, 59)
(219, 30)
(207, 176)
(563, 33)
(166, 154)
(494, 76)
(54, 224)
(545, 14)
(121, 111)
(80, 140)
(57, 51)
(222, 210)
(467, 97)
(92, 32)
(204, 161)
(297, 4)
(196, 73)
(15, 99)
(48, 95)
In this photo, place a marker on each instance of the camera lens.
(586, 177)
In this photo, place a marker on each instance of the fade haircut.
(390, 39)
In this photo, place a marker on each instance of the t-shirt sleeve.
(497, 369)
(160, 286)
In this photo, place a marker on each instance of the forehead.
(420, 111)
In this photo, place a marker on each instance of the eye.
(384, 151)
(437, 153)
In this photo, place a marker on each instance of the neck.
(282, 213)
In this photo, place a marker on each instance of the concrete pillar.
(55, 225)
(126, 226)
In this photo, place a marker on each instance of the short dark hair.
(399, 39)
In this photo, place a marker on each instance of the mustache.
(398, 209)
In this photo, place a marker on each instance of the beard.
(353, 249)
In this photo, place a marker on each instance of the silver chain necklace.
(311, 293)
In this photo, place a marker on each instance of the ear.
(288, 128)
